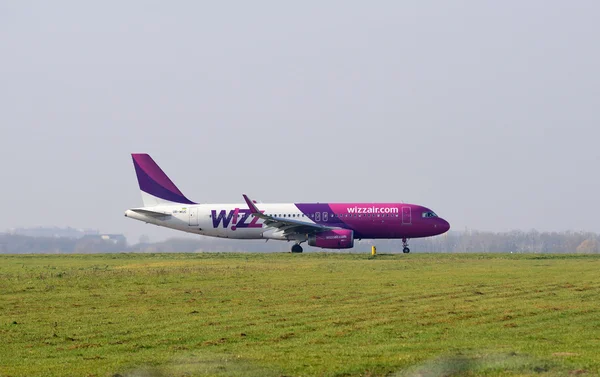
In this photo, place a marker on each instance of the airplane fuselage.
(367, 220)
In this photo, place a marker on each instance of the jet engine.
(333, 239)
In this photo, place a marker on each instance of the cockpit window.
(428, 214)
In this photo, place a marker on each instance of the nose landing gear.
(406, 250)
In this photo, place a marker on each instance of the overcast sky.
(488, 112)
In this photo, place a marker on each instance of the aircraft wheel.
(406, 250)
(296, 248)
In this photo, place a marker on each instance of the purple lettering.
(223, 217)
(237, 218)
(254, 224)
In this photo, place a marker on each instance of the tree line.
(452, 242)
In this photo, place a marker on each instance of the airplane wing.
(287, 225)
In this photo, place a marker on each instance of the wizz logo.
(238, 218)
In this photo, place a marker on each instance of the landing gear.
(406, 250)
(296, 248)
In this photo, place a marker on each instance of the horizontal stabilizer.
(147, 212)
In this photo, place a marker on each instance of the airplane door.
(193, 216)
(406, 216)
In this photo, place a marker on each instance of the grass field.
(315, 314)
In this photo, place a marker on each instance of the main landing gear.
(406, 250)
(296, 248)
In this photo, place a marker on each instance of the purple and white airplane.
(324, 225)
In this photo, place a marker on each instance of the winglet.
(253, 209)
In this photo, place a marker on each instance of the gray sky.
(485, 111)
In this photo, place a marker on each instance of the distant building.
(114, 238)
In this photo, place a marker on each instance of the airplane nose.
(444, 226)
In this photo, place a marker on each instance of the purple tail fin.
(154, 181)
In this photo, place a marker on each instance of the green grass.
(313, 314)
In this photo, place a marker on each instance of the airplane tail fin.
(155, 186)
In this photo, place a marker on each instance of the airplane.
(322, 225)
